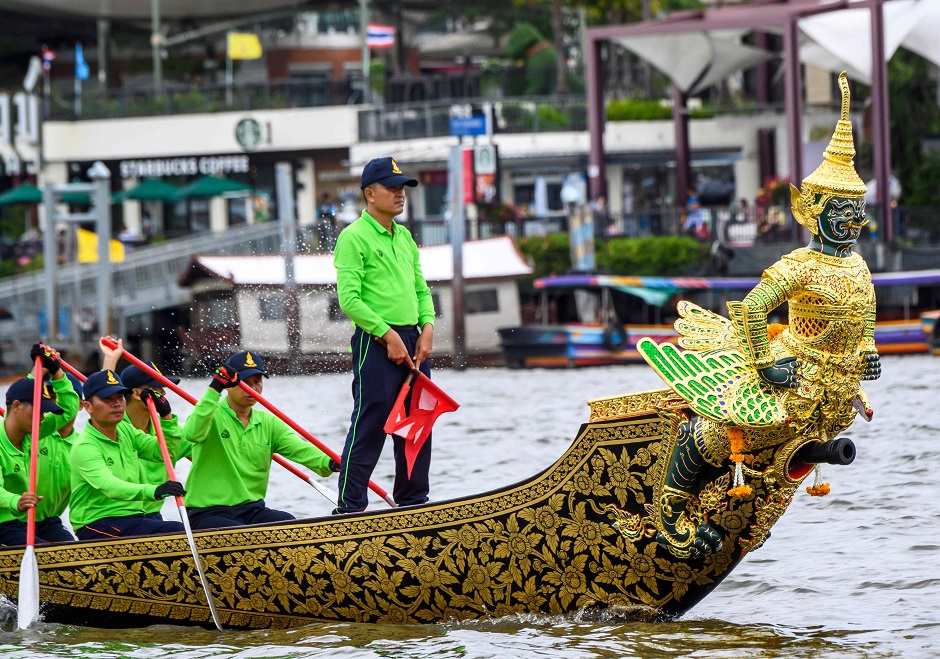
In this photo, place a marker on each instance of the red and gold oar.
(28, 599)
(184, 516)
(166, 382)
(310, 438)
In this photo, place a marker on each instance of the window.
(436, 300)
(482, 301)
(272, 306)
(336, 314)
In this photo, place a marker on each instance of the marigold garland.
(774, 330)
(739, 489)
(818, 489)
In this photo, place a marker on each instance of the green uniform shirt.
(379, 278)
(231, 462)
(52, 464)
(154, 472)
(106, 474)
(54, 483)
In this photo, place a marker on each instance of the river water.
(854, 574)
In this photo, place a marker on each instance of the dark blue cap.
(386, 172)
(103, 384)
(246, 364)
(76, 383)
(22, 390)
(134, 376)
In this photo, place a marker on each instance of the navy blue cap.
(134, 376)
(103, 384)
(246, 364)
(76, 383)
(386, 172)
(22, 390)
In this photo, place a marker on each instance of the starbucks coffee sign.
(248, 134)
(159, 167)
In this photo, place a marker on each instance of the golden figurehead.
(753, 388)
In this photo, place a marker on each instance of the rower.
(137, 414)
(15, 440)
(107, 491)
(233, 447)
(54, 484)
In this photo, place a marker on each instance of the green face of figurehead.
(831, 201)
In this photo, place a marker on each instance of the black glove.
(169, 489)
(334, 466)
(49, 362)
(160, 402)
(223, 379)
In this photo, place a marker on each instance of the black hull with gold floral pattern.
(578, 536)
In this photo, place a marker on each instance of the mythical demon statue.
(753, 387)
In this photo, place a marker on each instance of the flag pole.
(229, 73)
(366, 62)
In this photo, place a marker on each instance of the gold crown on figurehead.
(835, 177)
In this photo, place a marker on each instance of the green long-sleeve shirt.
(231, 462)
(52, 464)
(154, 471)
(378, 277)
(106, 479)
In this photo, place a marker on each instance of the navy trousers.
(220, 517)
(376, 383)
(108, 528)
(48, 530)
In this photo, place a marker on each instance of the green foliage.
(925, 183)
(641, 109)
(649, 256)
(549, 255)
(914, 113)
(652, 255)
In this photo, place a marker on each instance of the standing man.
(232, 450)
(107, 490)
(382, 290)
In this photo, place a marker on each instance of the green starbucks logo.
(248, 134)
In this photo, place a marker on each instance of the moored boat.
(593, 320)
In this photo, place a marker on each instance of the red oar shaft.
(145, 367)
(310, 438)
(184, 516)
(34, 451)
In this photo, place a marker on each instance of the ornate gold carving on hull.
(549, 544)
(627, 405)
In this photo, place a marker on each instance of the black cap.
(134, 376)
(246, 364)
(103, 384)
(22, 390)
(386, 172)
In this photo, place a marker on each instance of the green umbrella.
(24, 194)
(151, 189)
(211, 186)
(76, 198)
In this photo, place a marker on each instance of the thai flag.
(380, 36)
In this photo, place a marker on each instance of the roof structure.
(699, 46)
(490, 258)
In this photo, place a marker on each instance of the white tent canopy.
(841, 40)
(694, 61)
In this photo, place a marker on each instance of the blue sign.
(475, 125)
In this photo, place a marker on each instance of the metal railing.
(146, 280)
(432, 119)
(204, 98)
